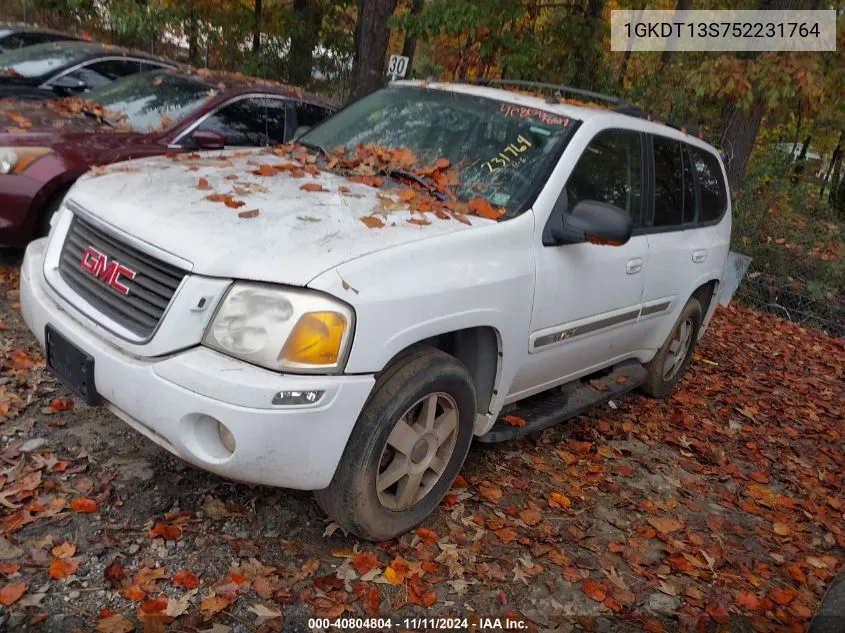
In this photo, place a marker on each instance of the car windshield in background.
(501, 151)
(154, 100)
(40, 60)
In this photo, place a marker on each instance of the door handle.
(699, 256)
(634, 266)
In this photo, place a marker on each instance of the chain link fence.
(784, 299)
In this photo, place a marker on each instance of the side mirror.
(206, 139)
(590, 221)
(67, 85)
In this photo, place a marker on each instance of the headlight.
(14, 160)
(282, 329)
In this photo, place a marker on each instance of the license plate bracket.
(71, 365)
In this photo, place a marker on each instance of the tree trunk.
(800, 162)
(738, 136)
(303, 40)
(409, 48)
(371, 40)
(587, 52)
(256, 28)
(669, 52)
(192, 37)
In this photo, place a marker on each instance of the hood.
(44, 117)
(281, 231)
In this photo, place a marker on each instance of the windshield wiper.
(100, 118)
(406, 175)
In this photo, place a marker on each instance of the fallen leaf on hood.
(253, 213)
(372, 222)
(10, 593)
(419, 221)
(372, 181)
(232, 203)
(202, 184)
(482, 208)
(312, 186)
(264, 170)
(62, 568)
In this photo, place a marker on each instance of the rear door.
(687, 246)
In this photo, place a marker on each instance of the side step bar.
(566, 402)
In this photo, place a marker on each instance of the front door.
(587, 296)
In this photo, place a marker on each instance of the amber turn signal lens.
(315, 339)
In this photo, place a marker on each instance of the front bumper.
(176, 400)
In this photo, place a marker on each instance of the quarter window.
(713, 196)
(609, 171)
(102, 73)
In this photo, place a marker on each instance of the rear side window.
(609, 171)
(276, 114)
(668, 182)
(713, 195)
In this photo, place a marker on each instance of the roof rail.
(594, 96)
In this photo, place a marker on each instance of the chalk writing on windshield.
(511, 155)
(523, 112)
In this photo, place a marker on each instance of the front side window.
(713, 195)
(242, 123)
(150, 101)
(609, 171)
(500, 151)
(668, 182)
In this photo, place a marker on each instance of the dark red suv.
(45, 146)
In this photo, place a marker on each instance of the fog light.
(297, 397)
(226, 437)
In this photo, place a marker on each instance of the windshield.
(39, 60)
(154, 100)
(501, 151)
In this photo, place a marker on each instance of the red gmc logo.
(97, 264)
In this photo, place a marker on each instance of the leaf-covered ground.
(721, 508)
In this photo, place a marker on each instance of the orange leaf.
(115, 623)
(9, 568)
(264, 170)
(394, 577)
(185, 579)
(418, 594)
(217, 197)
(232, 203)
(62, 568)
(595, 590)
(781, 529)
(665, 525)
(530, 516)
(428, 536)
(506, 534)
(65, 550)
(460, 482)
(10, 593)
(482, 208)
(249, 214)
(312, 186)
(491, 493)
(653, 626)
(419, 221)
(365, 562)
(83, 504)
(372, 181)
(203, 185)
(748, 600)
(156, 605)
(62, 404)
(166, 531)
(372, 222)
(559, 500)
(134, 593)
(513, 420)
(783, 596)
(115, 574)
(407, 195)
(213, 604)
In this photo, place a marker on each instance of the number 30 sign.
(397, 67)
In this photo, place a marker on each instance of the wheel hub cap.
(418, 449)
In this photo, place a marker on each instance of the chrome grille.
(148, 293)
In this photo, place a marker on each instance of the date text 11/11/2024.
(470, 624)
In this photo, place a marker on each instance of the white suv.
(302, 328)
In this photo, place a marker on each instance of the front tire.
(670, 363)
(406, 448)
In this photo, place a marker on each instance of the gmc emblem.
(96, 264)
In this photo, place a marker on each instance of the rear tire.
(406, 448)
(667, 367)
